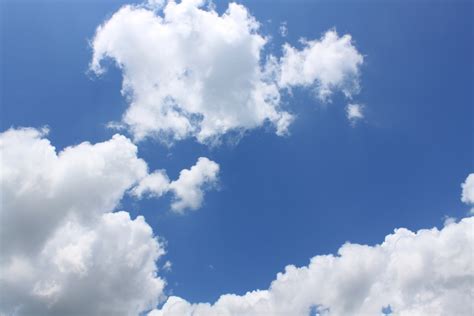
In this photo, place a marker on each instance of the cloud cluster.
(195, 73)
(188, 189)
(64, 250)
(429, 272)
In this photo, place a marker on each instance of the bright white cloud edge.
(188, 189)
(195, 73)
(64, 251)
(429, 272)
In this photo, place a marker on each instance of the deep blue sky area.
(281, 200)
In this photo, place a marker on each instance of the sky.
(322, 124)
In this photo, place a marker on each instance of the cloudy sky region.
(198, 157)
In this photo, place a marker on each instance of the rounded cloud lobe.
(326, 65)
(63, 251)
(188, 189)
(191, 72)
(425, 273)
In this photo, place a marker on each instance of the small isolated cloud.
(283, 29)
(354, 112)
(167, 266)
(428, 272)
(188, 189)
(326, 65)
(190, 186)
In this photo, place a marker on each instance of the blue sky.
(280, 200)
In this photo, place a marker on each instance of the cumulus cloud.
(40, 187)
(326, 65)
(188, 189)
(64, 250)
(354, 112)
(190, 72)
(429, 272)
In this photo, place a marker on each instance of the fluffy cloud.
(354, 112)
(188, 189)
(104, 268)
(326, 65)
(64, 250)
(190, 72)
(40, 188)
(468, 190)
(429, 272)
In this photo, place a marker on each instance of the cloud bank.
(429, 272)
(64, 250)
(195, 73)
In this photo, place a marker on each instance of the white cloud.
(354, 112)
(103, 268)
(40, 188)
(190, 186)
(153, 185)
(326, 65)
(190, 72)
(468, 190)
(425, 273)
(188, 189)
(64, 251)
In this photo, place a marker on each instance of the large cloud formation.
(429, 272)
(64, 250)
(195, 73)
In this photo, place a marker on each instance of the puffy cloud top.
(191, 72)
(326, 65)
(468, 190)
(188, 189)
(429, 272)
(40, 187)
(195, 73)
(64, 251)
